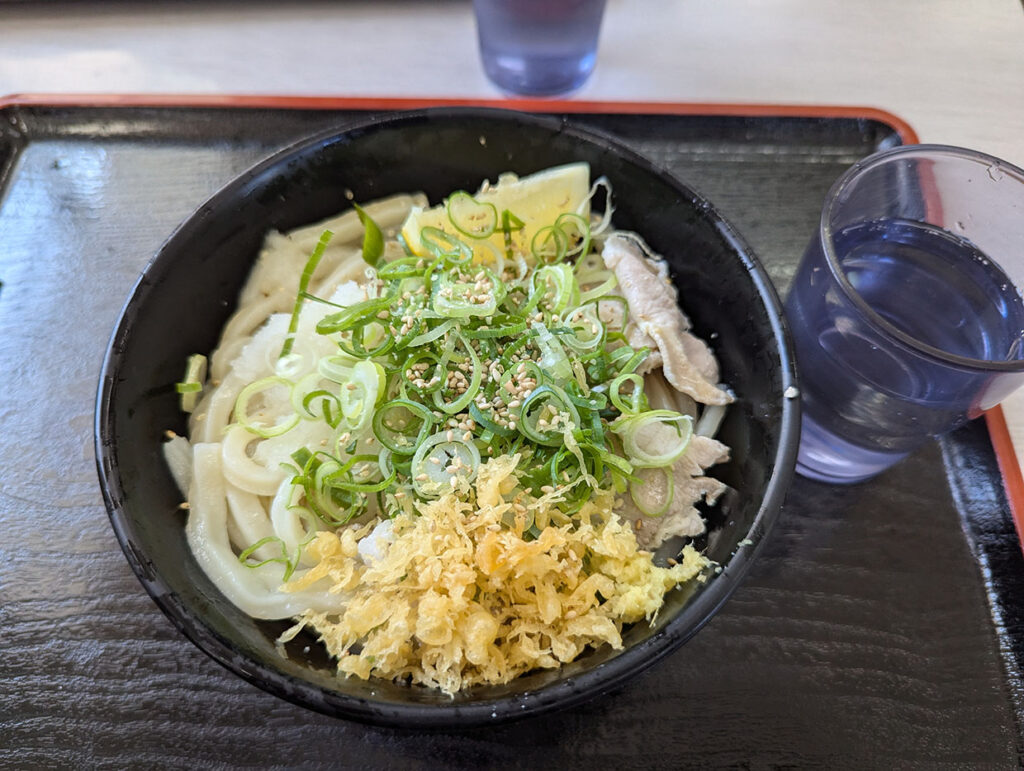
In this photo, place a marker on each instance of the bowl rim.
(557, 695)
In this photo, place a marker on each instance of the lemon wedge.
(536, 200)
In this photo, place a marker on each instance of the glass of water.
(906, 310)
(538, 47)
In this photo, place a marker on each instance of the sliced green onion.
(601, 290)
(486, 419)
(432, 334)
(549, 245)
(330, 406)
(309, 391)
(367, 339)
(344, 480)
(558, 285)
(445, 246)
(430, 378)
(588, 329)
(478, 296)
(403, 267)
(336, 368)
(402, 425)
(246, 395)
(652, 502)
(353, 315)
(441, 462)
(333, 506)
(654, 438)
(471, 217)
(373, 239)
(500, 326)
(304, 279)
(192, 386)
(289, 564)
(510, 223)
(359, 395)
(636, 401)
(627, 360)
(476, 375)
(553, 359)
(543, 414)
(576, 229)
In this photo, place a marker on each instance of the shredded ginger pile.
(456, 599)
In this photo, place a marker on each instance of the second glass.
(905, 311)
(538, 47)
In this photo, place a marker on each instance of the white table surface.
(953, 69)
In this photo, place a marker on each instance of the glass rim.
(879, 322)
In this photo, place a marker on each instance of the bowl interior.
(189, 290)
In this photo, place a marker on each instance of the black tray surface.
(879, 628)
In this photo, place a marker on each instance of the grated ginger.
(458, 599)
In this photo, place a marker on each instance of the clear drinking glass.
(538, 47)
(906, 312)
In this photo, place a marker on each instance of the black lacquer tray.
(882, 625)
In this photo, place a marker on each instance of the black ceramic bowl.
(187, 292)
